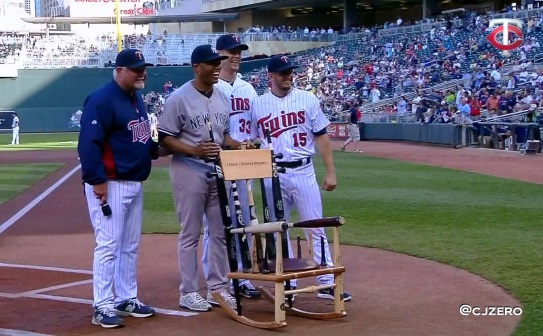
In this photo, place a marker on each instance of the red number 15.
(300, 139)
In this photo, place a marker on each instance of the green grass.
(487, 225)
(40, 141)
(14, 178)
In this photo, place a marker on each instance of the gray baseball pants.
(194, 195)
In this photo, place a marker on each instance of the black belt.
(294, 164)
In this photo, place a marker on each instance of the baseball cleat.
(106, 318)
(134, 308)
(249, 291)
(329, 295)
(194, 301)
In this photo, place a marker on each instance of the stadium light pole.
(424, 9)
(118, 25)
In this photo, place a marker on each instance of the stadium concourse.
(443, 72)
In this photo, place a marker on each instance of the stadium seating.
(334, 81)
(10, 48)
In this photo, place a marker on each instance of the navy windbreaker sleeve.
(96, 120)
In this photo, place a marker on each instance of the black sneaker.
(293, 295)
(247, 290)
(329, 295)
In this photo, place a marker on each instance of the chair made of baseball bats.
(257, 164)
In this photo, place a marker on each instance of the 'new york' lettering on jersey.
(187, 111)
(241, 95)
(291, 120)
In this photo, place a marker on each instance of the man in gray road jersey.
(183, 131)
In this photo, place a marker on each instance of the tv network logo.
(506, 27)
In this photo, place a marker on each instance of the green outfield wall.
(46, 99)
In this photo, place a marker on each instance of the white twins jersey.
(292, 120)
(241, 95)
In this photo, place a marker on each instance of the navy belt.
(294, 164)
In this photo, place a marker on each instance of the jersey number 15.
(300, 139)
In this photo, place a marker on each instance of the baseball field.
(481, 214)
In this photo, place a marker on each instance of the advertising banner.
(338, 131)
(106, 8)
(6, 118)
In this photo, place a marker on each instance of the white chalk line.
(54, 288)
(37, 293)
(46, 268)
(11, 332)
(7, 224)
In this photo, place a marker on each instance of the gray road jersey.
(187, 111)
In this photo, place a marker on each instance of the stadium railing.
(417, 28)
(293, 37)
(521, 14)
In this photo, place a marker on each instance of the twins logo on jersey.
(239, 105)
(283, 123)
(141, 131)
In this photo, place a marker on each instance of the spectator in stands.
(402, 109)
(464, 111)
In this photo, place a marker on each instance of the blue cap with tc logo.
(280, 63)
(205, 53)
(131, 58)
(230, 42)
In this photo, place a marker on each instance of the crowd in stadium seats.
(372, 68)
(397, 74)
(10, 47)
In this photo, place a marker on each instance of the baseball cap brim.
(210, 59)
(283, 68)
(240, 46)
(139, 65)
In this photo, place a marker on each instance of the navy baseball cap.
(131, 58)
(205, 53)
(230, 42)
(280, 63)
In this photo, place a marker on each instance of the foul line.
(47, 268)
(11, 332)
(6, 225)
(36, 294)
(90, 302)
(54, 288)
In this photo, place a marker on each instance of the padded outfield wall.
(46, 99)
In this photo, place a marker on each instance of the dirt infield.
(46, 258)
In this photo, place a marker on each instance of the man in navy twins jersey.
(297, 125)
(116, 149)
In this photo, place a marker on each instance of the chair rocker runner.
(260, 164)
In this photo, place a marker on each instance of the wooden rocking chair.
(260, 164)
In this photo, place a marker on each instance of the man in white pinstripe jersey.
(241, 94)
(297, 125)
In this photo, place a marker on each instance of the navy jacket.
(115, 138)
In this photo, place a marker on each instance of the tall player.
(115, 149)
(297, 125)
(241, 94)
